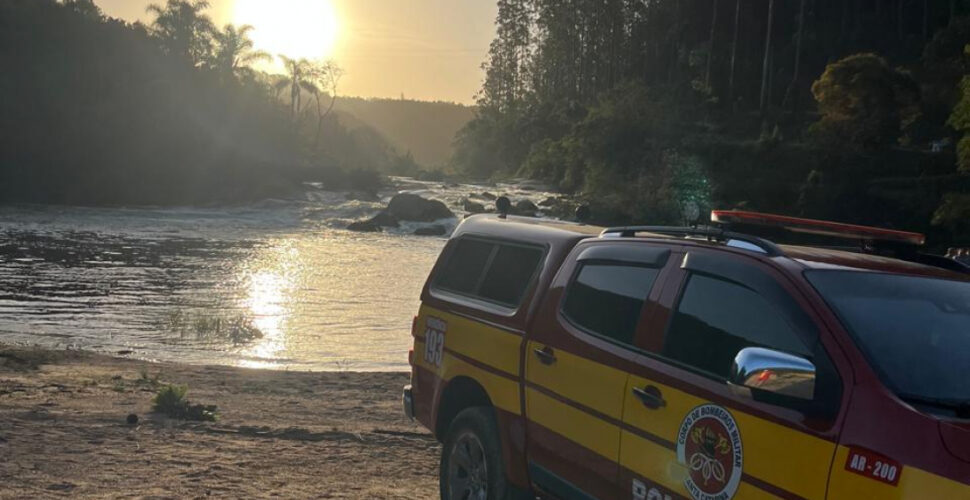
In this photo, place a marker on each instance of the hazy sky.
(425, 49)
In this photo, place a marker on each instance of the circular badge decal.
(709, 446)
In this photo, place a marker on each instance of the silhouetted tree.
(325, 78)
(299, 78)
(235, 52)
(100, 111)
(183, 29)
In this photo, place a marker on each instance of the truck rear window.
(496, 272)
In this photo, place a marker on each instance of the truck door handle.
(546, 355)
(650, 396)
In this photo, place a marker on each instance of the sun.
(294, 28)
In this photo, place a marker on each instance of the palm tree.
(318, 79)
(183, 29)
(299, 77)
(235, 51)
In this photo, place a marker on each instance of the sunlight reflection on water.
(193, 284)
(322, 299)
(340, 299)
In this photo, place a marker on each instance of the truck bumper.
(408, 400)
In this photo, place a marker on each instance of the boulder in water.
(365, 226)
(435, 230)
(525, 207)
(385, 219)
(473, 207)
(488, 196)
(548, 202)
(375, 223)
(411, 207)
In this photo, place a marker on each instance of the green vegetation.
(821, 108)
(237, 329)
(99, 111)
(171, 401)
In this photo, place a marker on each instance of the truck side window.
(606, 299)
(715, 319)
(496, 272)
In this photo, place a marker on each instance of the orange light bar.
(821, 227)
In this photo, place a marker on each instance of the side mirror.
(775, 372)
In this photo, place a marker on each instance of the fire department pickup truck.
(567, 361)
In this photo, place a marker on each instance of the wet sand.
(63, 432)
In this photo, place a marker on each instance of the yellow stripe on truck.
(580, 380)
(803, 470)
(592, 433)
(483, 343)
(487, 345)
(503, 392)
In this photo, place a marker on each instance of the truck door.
(691, 428)
(575, 382)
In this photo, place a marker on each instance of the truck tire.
(472, 467)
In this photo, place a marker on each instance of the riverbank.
(63, 432)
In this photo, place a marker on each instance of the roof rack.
(709, 233)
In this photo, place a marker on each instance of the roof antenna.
(692, 212)
(504, 206)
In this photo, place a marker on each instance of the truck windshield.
(914, 330)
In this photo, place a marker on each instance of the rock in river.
(473, 207)
(525, 207)
(435, 230)
(411, 207)
(365, 226)
(406, 207)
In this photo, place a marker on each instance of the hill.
(426, 129)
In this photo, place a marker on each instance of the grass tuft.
(171, 401)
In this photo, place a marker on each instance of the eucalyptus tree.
(183, 29)
(766, 65)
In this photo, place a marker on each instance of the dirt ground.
(63, 432)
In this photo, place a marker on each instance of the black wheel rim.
(467, 469)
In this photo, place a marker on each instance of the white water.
(153, 280)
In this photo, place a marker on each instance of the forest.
(97, 111)
(851, 111)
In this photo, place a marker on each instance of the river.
(277, 284)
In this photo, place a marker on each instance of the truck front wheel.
(471, 460)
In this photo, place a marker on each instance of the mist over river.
(275, 284)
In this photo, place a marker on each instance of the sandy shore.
(323, 435)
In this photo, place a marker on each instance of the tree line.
(822, 108)
(94, 110)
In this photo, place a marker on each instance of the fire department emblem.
(709, 446)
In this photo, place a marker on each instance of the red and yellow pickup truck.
(562, 360)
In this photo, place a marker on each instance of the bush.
(171, 401)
